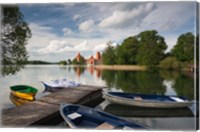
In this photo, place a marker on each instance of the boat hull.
(24, 92)
(18, 101)
(77, 116)
(27, 96)
(145, 103)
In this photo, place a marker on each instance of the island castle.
(90, 61)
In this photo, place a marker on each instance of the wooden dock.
(37, 112)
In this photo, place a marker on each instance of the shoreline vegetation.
(121, 67)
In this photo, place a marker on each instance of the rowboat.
(18, 101)
(77, 116)
(147, 100)
(24, 91)
(133, 111)
(55, 85)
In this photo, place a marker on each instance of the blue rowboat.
(78, 116)
(147, 100)
(55, 85)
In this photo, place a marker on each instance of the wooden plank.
(27, 114)
(69, 95)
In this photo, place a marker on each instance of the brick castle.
(92, 60)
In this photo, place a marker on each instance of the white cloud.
(81, 47)
(67, 31)
(76, 17)
(57, 46)
(41, 36)
(169, 16)
(102, 47)
(121, 19)
(86, 25)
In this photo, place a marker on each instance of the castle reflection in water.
(93, 71)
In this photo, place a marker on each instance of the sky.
(60, 31)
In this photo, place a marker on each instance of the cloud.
(101, 22)
(81, 47)
(169, 16)
(121, 19)
(86, 25)
(76, 17)
(67, 31)
(102, 47)
(57, 46)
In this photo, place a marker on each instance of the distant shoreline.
(121, 67)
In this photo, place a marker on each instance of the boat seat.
(127, 128)
(74, 115)
(105, 125)
(137, 98)
(177, 99)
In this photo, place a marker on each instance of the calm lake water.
(157, 82)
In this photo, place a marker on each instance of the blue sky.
(60, 31)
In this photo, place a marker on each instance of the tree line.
(148, 48)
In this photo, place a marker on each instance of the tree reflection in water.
(149, 82)
(10, 69)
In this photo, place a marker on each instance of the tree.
(184, 48)
(80, 62)
(109, 55)
(15, 33)
(63, 62)
(126, 52)
(170, 63)
(69, 61)
(151, 48)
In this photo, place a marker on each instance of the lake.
(150, 82)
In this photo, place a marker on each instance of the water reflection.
(81, 70)
(130, 111)
(135, 82)
(10, 69)
(161, 82)
(147, 82)
(18, 101)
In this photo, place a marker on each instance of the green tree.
(15, 33)
(63, 62)
(109, 55)
(126, 52)
(170, 63)
(69, 61)
(197, 48)
(151, 48)
(81, 62)
(184, 48)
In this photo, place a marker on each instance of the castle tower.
(98, 56)
(92, 60)
(78, 57)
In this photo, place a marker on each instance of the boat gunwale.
(147, 101)
(24, 86)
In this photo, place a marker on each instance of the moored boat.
(78, 116)
(18, 101)
(147, 100)
(24, 91)
(55, 85)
